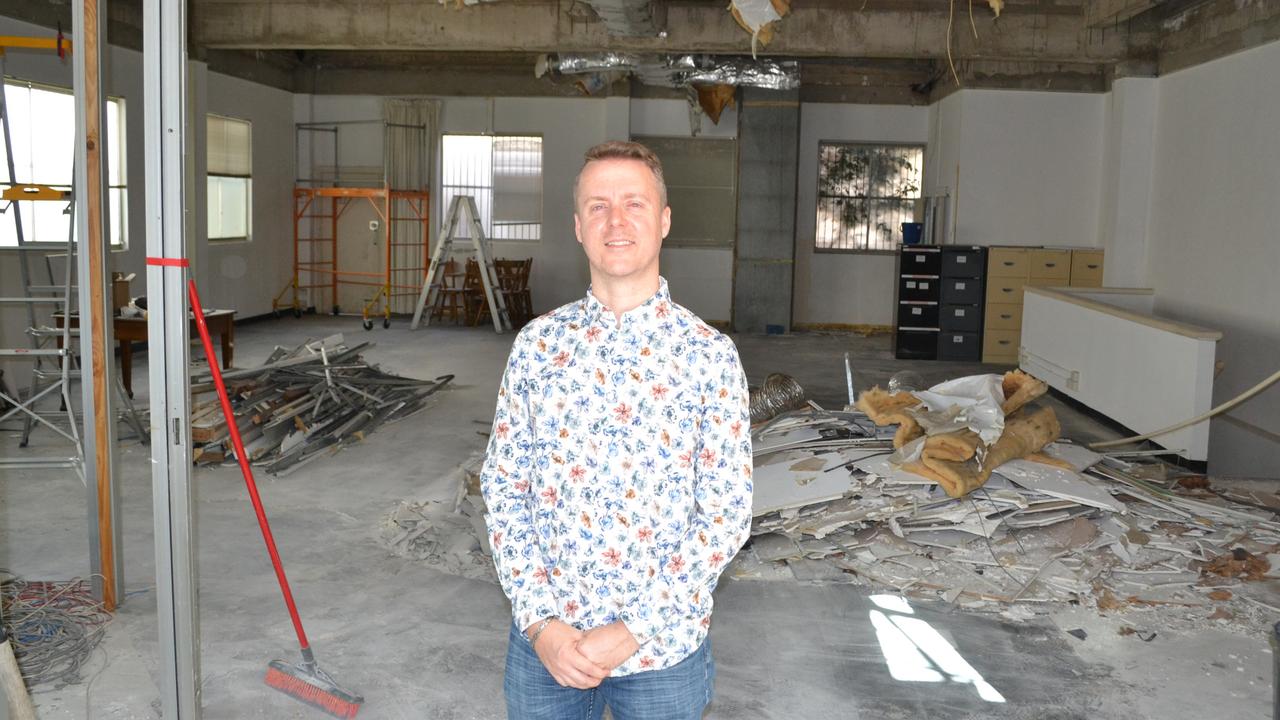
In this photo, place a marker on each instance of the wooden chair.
(450, 299)
(474, 302)
(513, 279)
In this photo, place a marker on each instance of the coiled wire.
(54, 626)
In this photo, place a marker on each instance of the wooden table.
(130, 330)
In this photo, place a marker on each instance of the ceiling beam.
(808, 31)
(1197, 32)
(1106, 13)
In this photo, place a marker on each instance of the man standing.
(618, 475)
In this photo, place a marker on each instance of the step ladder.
(433, 281)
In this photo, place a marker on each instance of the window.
(865, 193)
(701, 176)
(229, 171)
(42, 125)
(504, 175)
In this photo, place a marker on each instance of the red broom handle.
(244, 464)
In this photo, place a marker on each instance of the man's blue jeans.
(680, 692)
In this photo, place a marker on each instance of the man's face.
(620, 219)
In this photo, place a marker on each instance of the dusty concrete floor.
(421, 643)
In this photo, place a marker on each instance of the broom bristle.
(327, 699)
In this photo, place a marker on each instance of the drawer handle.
(1094, 267)
(1002, 342)
(1051, 264)
(1008, 290)
(1006, 317)
(1008, 263)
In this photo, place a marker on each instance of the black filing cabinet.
(919, 302)
(961, 295)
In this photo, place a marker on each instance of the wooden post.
(89, 201)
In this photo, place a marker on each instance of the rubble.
(315, 398)
(1106, 533)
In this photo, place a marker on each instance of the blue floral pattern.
(618, 473)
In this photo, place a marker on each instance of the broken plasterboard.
(797, 480)
(1060, 483)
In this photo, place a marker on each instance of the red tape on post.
(169, 262)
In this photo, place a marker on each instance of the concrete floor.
(420, 643)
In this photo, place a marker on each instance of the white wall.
(1213, 253)
(240, 276)
(1128, 155)
(700, 279)
(1030, 167)
(845, 288)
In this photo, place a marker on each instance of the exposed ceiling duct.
(678, 70)
(630, 18)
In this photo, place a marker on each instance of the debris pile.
(450, 538)
(319, 396)
(1075, 526)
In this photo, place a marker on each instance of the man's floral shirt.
(618, 474)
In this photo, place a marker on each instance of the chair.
(450, 299)
(513, 280)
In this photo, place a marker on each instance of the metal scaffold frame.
(316, 274)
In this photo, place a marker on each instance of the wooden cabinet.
(1010, 270)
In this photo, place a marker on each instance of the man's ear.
(577, 227)
(666, 221)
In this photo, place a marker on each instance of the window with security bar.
(504, 175)
(229, 177)
(42, 126)
(865, 192)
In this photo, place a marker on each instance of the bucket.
(911, 233)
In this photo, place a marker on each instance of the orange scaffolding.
(404, 224)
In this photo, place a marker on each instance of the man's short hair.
(623, 150)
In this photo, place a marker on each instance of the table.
(129, 330)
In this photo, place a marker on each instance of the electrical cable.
(54, 626)
(1195, 420)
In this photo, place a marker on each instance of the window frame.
(119, 149)
(817, 192)
(542, 172)
(248, 190)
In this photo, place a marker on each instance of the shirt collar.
(645, 312)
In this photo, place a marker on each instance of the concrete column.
(764, 256)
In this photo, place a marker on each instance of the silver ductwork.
(679, 70)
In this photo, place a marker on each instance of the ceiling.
(884, 51)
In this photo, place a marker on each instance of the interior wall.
(1125, 203)
(241, 276)
(700, 279)
(845, 288)
(1213, 253)
(1030, 167)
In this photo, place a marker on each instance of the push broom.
(305, 681)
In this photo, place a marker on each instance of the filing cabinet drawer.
(1051, 265)
(921, 262)
(1005, 290)
(1046, 282)
(1004, 316)
(1007, 262)
(962, 263)
(958, 346)
(1086, 268)
(917, 315)
(917, 344)
(1001, 344)
(917, 289)
(961, 291)
(961, 318)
